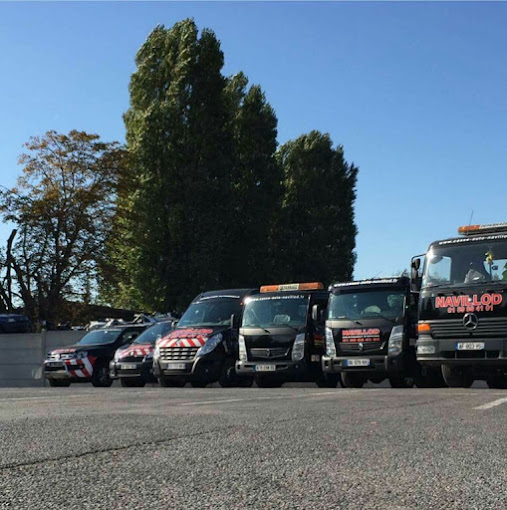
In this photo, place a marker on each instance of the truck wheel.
(100, 376)
(171, 382)
(228, 377)
(497, 382)
(401, 382)
(132, 383)
(266, 382)
(352, 380)
(457, 377)
(328, 381)
(59, 383)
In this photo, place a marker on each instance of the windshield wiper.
(260, 327)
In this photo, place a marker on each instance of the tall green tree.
(316, 228)
(202, 151)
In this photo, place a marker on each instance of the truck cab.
(281, 338)
(371, 332)
(203, 347)
(463, 306)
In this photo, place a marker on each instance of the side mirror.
(234, 321)
(316, 312)
(415, 273)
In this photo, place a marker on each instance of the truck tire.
(401, 382)
(100, 376)
(132, 383)
(266, 382)
(171, 382)
(59, 383)
(457, 377)
(327, 380)
(228, 377)
(352, 380)
(497, 382)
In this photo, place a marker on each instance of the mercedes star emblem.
(470, 321)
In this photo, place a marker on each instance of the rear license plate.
(469, 346)
(357, 362)
(175, 366)
(128, 366)
(265, 368)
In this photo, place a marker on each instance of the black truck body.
(282, 335)
(371, 332)
(203, 347)
(463, 306)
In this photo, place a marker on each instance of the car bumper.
(432, 352)
(131, 369)
(203, 368)
(381, 364)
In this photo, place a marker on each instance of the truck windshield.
(466, 263)
(355, 305)
(100, 337)
(212, 312)
(151, 335)
(276, 311)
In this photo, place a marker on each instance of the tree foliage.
(202, 148)
(316, 225)
(62, 208)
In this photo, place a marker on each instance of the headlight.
(156, 351)
(210, 344)
(395, 341)
(298, 349)
(425, 349)
(81, 354)
(117, 355)
(242, 349)
(330, 346)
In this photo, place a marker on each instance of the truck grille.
(269, 353)
(178, 353)
(58, 357)
(135, 359)
(366, 347)
(487, 328)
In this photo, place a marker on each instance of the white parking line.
(272, 397)
(495, 403)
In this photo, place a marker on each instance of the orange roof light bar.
(292, 286)
(488, 228)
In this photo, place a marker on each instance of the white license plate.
(357, 362)
(128, 366)
(55, 364)
(470, 346)
(265, 368)
(175, 366)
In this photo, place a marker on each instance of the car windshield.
(276, 311)
(466, 263)
(212, 312)
(355, 305)
(100, 337)
(151, 335)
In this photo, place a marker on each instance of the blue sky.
(416, 94)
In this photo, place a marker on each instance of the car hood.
(190, 337)
(134, 350)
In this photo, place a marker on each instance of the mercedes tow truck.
(282, 335)
(463, 306)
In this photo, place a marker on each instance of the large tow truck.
(463, 306)
(203, 347)
(282, 335)
(371, 332)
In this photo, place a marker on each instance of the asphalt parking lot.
(295, 447)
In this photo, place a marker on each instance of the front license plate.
(128, 366)
(357, 362)
(470, 346)
(55, 364)
(175, 366)
(265, 368)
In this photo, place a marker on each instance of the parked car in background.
(88, 360)
(133, 364)
(14, 323)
